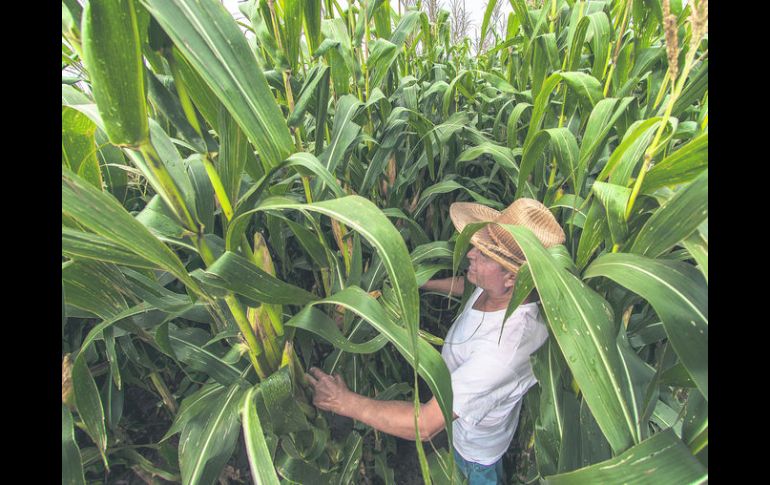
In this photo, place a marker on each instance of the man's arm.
(450, 286)
(392, 417)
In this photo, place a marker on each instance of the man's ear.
(509, 280)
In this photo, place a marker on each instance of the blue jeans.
(478, 474)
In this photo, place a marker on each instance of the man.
(488, 361)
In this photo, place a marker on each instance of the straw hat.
(496, 242)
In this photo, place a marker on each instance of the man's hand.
(329, 392)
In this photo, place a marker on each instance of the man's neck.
(489, 301)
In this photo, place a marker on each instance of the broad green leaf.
(585, 85)
(614, 198)
(112, 55)
(103, 214)
(603, 117)
(382, 54)
(317, 78)
(208, 439)
(564, 148)
(675, 220)
(547, 366)
(71, 465)
(194, 405)
(625, 157)
(503, 156)
(190, 348)
(695, 427)
(448, 186)
(281, 406)
(261, 463)
(664, 453)
(344, 132)
(93, 286)
(222, 57)
(170, 106)
(87, 245)
(697, 245)
(680, 167)
(581, 321)
(233, 153)
(89, 403)
(78, 147)
(352, 451)
(600, 33)
(319, 323)
(595, 230)
(236, 274)
(679, 296)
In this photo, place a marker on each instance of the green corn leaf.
(170, 106)
(113, 58)
(599, 29)
(680, 167)
(317, 322)
(697, 245)
(588, 343)
(593, 445)
(193, 84)
(603, 117)
(190, 348)
(222, 57)
(565, 149)
(71, 464)
(614, 198)
(695, 426)
(344, 132)
(318, 76)
(625, 157)
(585, 85)
(103, 214)
(94, 286)
(89, 404)
(678, 293)
(448, 186)
(236, 274)
(281, 407)
(208, 439)
(86, 245)
(675, 220)
(595, 230)
(352, 451)
(485, 21)
(548, 365)
(292, 18)
(312, 14)
(193, 406)
(261, 463)
(504, 156)
(382, 54)
(664, 453)
(78, 147)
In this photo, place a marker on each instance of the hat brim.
(464, 213)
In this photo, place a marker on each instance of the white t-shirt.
(489, 379)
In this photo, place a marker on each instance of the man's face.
(485, 272)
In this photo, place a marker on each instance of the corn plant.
(244, 200)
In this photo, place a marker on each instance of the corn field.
(242, 200)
